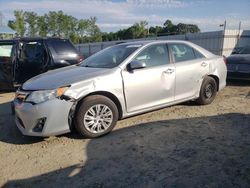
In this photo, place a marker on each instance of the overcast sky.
(113, 15)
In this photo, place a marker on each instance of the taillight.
(81, 58)
(225, 59)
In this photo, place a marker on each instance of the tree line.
(59, 24)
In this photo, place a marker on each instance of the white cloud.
(112, 16)
(158, 3)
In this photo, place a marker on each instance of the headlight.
(45, 95)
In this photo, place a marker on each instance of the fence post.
(222, 42)
(89, 49)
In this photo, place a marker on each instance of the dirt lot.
(181, 146)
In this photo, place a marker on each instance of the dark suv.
(23, 58)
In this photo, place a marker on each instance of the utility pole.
(225, 25)
(239, 26)
(1, 19)
(238, 37)
(223, 35)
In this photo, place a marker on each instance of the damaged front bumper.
(44, 119)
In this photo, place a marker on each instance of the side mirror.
(136, 65)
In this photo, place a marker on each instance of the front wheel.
(97, 115)
(208, 91)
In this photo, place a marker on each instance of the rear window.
(181, 52)
(198, 54)
(62, 46)
(245, 50)
(5, 50)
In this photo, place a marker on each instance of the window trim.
(148, 46)
(173, 59)
(198, 52)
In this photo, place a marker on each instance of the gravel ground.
(181, 146)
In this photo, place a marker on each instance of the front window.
(110, 57)
(154, 55)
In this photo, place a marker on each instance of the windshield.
(110, 57)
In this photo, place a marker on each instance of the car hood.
(239, 58)
(62, 77)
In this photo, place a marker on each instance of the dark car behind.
(238, 64)
(24, 58)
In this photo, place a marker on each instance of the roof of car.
(32, 39)
(144, 42)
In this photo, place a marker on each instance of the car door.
(191, 66)
(7, 50)
(153, 85)
(31, 61)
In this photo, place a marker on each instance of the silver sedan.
(115, 83)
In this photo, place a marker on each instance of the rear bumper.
(55, 112)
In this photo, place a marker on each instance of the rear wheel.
(97, 115)
(208, 91)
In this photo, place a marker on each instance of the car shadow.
(242, 83)
(211, 151)
(9, 133)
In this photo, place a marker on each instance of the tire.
(96, 115)
(208, 91)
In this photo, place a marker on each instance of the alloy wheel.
(98, 118)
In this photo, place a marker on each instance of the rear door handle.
(169, 71)
(204, 64)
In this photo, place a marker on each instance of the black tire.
(84, 109)
(208, 91)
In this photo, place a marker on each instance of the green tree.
(31, 19)
(82, 27)
(12, 24)
(153, 31)
(18, 24)
(51, 20)
(42, 26)
(171, 29)
(139, 29)
(88, 30)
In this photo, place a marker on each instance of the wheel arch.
(216, 78)
(109, 95)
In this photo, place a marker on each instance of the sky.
(113, 15)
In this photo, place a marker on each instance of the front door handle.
(203, 64)
(169, 71)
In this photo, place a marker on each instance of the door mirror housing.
(136, 65)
